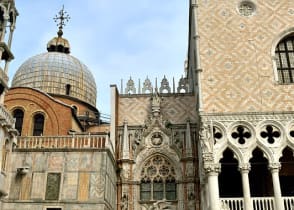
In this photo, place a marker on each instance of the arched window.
(18, 115)
(158, 180)
(67, 89)
(285, 59)
(38, 125)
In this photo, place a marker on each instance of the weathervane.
(60, 19)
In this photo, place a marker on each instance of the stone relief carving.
(136, 141)
(178, 139)
(158, 206)
(156, 139)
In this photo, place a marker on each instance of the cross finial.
(61, 19)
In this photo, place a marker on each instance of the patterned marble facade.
(156, 135)
(239, 67)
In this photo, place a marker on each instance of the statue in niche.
(156, 104)
(124, 202)
(205, 138)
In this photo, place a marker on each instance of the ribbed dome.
(57, 73)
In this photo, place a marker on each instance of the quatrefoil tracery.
(241, 134)
(271, 133)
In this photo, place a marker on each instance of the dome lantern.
(60, 44)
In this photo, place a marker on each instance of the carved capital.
(212, 168)
(274, 166)
(245, 167)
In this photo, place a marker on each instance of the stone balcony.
(73, 142)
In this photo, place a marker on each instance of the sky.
(116, 39)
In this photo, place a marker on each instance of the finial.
(60, 19)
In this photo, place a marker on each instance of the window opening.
(285, 60)
(158, 180)
(67, 91)
(38, 125)
(18, 115)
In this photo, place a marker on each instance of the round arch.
(275, 43)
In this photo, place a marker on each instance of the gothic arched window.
(285, 59)
(158, 180)
(18, 115)
(38, 125)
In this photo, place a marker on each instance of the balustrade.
(62, 142)
(259, 203)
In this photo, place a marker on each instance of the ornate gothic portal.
(157, 156)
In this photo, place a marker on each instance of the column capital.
(212, 168)
(245, 167)
(274, 166)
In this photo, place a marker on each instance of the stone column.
(212, 171)
(274, 168)
(244, 169)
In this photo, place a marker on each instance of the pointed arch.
(259, 176)
(230, 183)
(158, 179)
(282, 56)
(287, 172)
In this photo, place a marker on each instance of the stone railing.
(64, 142)
(232, 203)
(263, 203)
(288, 203)
(5, 115)
(259, 203)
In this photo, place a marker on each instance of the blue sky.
(116, 39)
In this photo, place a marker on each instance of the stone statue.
(205, 138)
(124, 202)
(156, 104)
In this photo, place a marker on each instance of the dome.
(58, 73)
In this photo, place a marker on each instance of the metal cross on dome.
(61, 19)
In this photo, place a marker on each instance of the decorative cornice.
(251, 116)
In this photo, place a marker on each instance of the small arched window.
(38, 125)
(284, 54)
(158, 180)
(18, 115)
(67, 89)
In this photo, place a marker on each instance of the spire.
(60, 19)
(60, 44)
